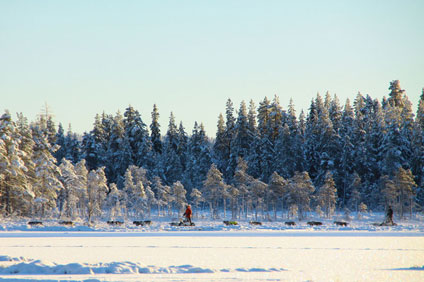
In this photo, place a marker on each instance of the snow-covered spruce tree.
(155, 136)
(170, 161)
(417, 161)
(138, 138)
(199, 158)
(113, 202)
(67, 199)
(118, 152)
(277, 119)
(242, 139)
(96, 193)
(312, 159)
(94, 145)
(278, 186)
(179, 195)
(134, 193)
(73, 146)
(404, 181)
(15, 189)
(219, 150)
(182, 146)
(60, 141)
(264, 147)
(289, 149)
(46, 172)
(327, 195)
(358, 136)
(212, 189)
(229, 132)
(26, 145)
(373, 145)
(347, 156)
(328, 146)
(300, 189)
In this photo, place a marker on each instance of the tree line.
(263, 160)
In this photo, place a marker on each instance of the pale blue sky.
(86, 57)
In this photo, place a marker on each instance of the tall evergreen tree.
(155, 131)
(138, 137)
(15, 189)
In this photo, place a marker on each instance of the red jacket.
(188, 212)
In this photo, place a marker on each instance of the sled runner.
(182, 223)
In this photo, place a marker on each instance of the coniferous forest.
(265, 161)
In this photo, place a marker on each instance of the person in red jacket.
(188, 214)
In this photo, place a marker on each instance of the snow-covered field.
(211, 251)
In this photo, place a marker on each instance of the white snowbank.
(38, 267)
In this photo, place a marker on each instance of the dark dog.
(68, 223)
(35, 223)
(115, 222)
(340, 223)
(226, 222)
(314, 223)
(290, 223)
(255, 223)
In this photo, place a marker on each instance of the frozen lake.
(213, 256)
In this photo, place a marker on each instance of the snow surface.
(211, 251)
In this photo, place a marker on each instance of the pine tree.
(259, 191)
(396, 94)
(404, 181)
(96, 193)
(212, 189)
(81, 187)
(135, 194)
(162, 193)
(327, 195)
(300, 189)
(15, 188)
(46, 172)
(113, 202)
(278, 186)
(242, 181)
(68, 196)
(179, 194)
(196, 198)
(389, 191)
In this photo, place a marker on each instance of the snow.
(211, 251)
